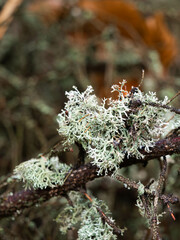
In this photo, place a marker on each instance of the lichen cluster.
(85, 215)
(42, 173)
(110, 129)
(143, 211)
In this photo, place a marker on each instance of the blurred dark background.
(46, 47)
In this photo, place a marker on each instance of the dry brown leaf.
(151, 32)
(48, 10)
(158, 37)
(6, 15)
(123, 14)
(145, 32)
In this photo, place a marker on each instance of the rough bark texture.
(79, 177)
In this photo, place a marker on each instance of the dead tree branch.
(80, 176)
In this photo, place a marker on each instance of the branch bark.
(79, 177)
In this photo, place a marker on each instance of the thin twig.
(7, 180)
(171, 109)
(116, 230)
(70, 202)
(128, 182)
(162, 176)
(170, 100)
(160, 184)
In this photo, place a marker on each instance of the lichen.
(92, 226)
(41, 172)
(143, 211)
(85, 215)
(141, 188)
(110, 129)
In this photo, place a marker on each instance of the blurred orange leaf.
(48, 10)
(6, 15)
(146, 32)
(159, 38)
(151, 31)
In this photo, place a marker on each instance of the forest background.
(46, 47)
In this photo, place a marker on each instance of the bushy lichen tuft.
(86, 215)
(113, 128)
(42, 173)
(70, 216)
(92, 226)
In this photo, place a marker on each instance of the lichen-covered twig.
(172, 109)
(151, 206)
(80, 176)
(105, 218)
(135, 185)
(154, 217)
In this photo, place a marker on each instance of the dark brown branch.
(79, 177)
(81, 155)
(135, 185)
(172, 109)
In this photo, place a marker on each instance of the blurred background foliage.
(46, 47)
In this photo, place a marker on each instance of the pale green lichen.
(143, 212)
(70, 216)
(92, 226)
(85, 215)
(141, 188)
(140, 206)
(109, 130)
(41, 172)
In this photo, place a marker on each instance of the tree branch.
(79, 177)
